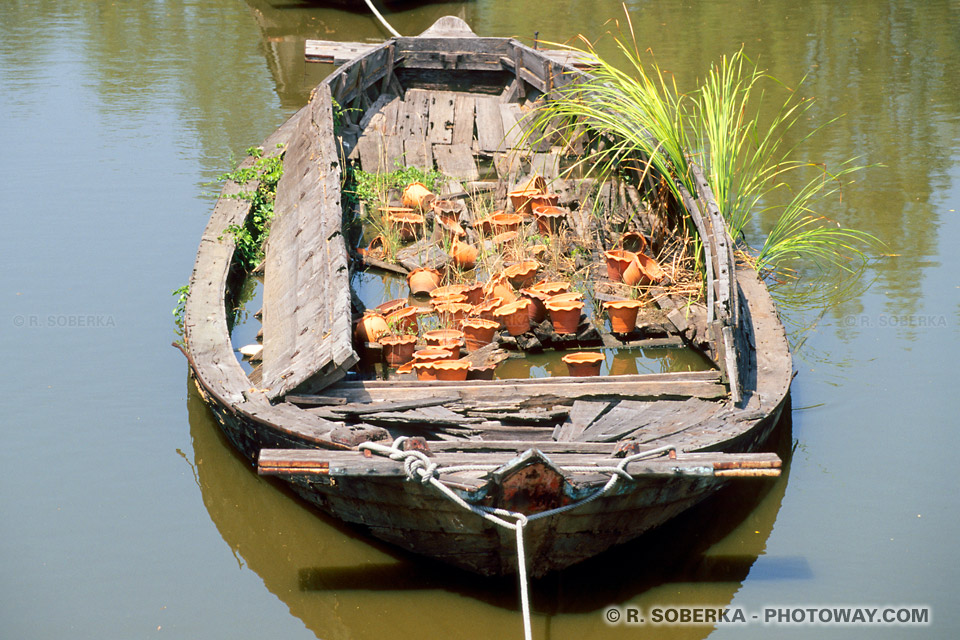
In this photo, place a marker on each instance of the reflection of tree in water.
(342, 584)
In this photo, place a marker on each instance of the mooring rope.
(382, 20)
(418, 466)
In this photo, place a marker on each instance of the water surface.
(126, 515)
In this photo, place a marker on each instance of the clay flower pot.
(618, 261)
(497, 287)
(445, 292)
(446, 211)
(402, 319)
(474, 293)
(583, 363)
(564, 314)
(633, 242)
(386, 308)
(486, 308)
(550, 288)
(450, 230)
(423, 280)
(543, 200)
(452, 312)
(521, 199)
(432, 354)
(567, 296)
(549, 219)
(398, 350)
(650, 269)
(536, 310)
(522, 274)
(623, 314)
(370, 327)
(418, 196)
(425, 371)
(504, 223)
(481, 373)
(435, 337)
(464, 255)
(408, 223)
(514, 317)
(478, 332)
(449, 369)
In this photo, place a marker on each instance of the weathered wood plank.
(440, 121)
(489, 124)
(456, 160)
(463, 120)
(582, 414)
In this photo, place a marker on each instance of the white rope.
(418, 466)
(382, 19)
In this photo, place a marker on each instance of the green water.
(125, 515)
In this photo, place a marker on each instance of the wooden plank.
(463, 121)
(375, 407)
(582, 415)
(512, 133)
(306, 327)
(376, 109)
(413, 118)
(489, 124)
(417, 153)
(456, 160)
(332, 52)
(440, 121)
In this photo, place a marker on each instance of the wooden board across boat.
(528, 446)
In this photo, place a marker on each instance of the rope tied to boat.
(419, 467)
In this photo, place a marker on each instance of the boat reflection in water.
(342, 583)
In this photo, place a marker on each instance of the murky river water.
(125, 515)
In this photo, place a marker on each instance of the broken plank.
(456, 161)
(581, 415)
(464, 118)
(489, 124)
(440, 122)
(361, 408)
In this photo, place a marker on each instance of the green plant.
(178, 311)
(373, 188)
(641, 128)
(250, 236)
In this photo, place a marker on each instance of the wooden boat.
(577, 465)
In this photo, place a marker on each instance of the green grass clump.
(250, 236)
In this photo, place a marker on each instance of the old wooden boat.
(455, 470)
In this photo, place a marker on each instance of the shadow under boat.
(334, 577)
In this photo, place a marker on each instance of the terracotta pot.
(402, 319)
(451, 369)
(486, 308)
(446, 291)
(478, 332)
(498, 287)
(632, 275)
(437, 336)
(521, 199)
(543, 200)
(550, 288)
(504, 223)
(474, 293)
(633, 241)
(564, 314)
(617, 262)
(425, 371)
(464, 255)
(481, 373)
(623, 314)
(450, 230)
(549, 219)
(536, 250)
(522, 274)
(536, 310)
(514, 317)
(452, 312)
(409, 224)
(650, 269)
(370, 327)
(377, 245)
(567, 296)
(432, 354)
(447, 211)
(418, 196)
(583, 363)
(398, 350)
(386, 308)
(448, 298)
(423, 280)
